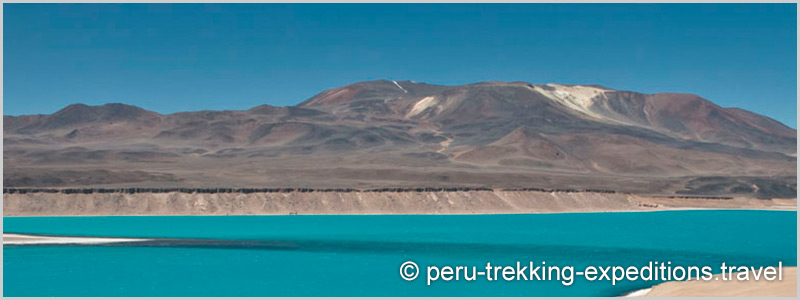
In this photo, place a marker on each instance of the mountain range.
(387, 133)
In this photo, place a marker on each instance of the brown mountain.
(406, 134)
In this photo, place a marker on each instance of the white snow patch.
(399, 86)
(578, 97)
(422, 105)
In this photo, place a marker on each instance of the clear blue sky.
(170, 58)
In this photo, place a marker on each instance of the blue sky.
(170, 58)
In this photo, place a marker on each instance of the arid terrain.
(401, 134)
(404, 202)
(787, 287)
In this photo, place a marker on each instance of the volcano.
(383, 134)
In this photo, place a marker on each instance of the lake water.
(361, 255)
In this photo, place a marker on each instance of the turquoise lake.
(361, 255)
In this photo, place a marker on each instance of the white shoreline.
(23, 239)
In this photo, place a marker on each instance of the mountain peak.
(77, 114)
(380, 89)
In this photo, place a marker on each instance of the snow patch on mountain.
(399, 86)
(422, 105)
(579, 98)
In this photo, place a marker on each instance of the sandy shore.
(718, 288)
(360, 203)
(22, 239)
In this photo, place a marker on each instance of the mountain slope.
(401, 133)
